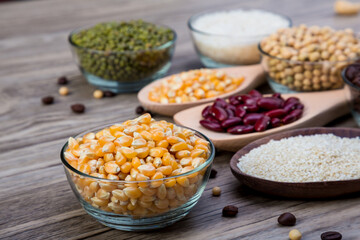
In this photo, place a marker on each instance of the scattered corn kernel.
(295, 234)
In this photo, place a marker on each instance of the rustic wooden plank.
(36, 201)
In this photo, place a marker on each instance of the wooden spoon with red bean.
(244, 118)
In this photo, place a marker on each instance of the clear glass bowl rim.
(196, 16)
(199, 168)
(307, 62)
(346, 80)
(163, 46)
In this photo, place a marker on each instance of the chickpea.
(63, 91)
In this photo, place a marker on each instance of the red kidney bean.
(262, 124)
(229, 112)
(291, 100)
(233, 101)
(275, 122)
(211, 125)
(250, 101)
(276, 113)
(243, 98)
(251, 118)
(240, 129)
(219, 113)
(231, 107)
(219, 102)
(206, 112)
(240, 111)
(250, 108)
(277, 95)
(300, 106)
(290, 106)
(255, 94)
(212, 119)
(292, 116)
(231, 122)
(269, 103)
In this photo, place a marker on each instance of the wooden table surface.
(36, 201)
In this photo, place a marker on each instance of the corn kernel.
(132, 192)
(112, 167)
(178, 147)
(147, 170)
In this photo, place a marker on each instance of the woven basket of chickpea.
(140, 174)
(194, 85)
(308, 58)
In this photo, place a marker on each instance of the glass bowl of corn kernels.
(138, 175)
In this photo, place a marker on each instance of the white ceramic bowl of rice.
(230, 38)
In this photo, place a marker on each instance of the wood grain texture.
(297, 190)
(36, 202)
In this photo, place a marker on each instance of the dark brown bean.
(240, 111)
(255, 94)
(287, 219)
(251, 118)
(62, 80)
(47, 100)
(331, 236)
(292, 116)
(213, 173)
(206, 112)
(291, 100)
(78, 108)
(233, 101)
(250, 108)
(262, 124)
(109, 94)
(230, 211)
(275, 122)
(231, 122)
(270, 103)
(241, 129)
(140, 110)
(211, 125)
(219, 102)
(276, 113)
(219, 113)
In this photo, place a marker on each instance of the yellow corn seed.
(131, 207)
(178, 147)
(108, 147)
(161, 192)
(174, 164)
(119, 194)
(142, 152)
(99, 202)
(85, 168)
(196, 162)
(145, 118)
(161, 203)
(132, 192)
(134, 173)
(145, 204)
(197, 153)
(147, 170)
(157, 175)
(139, 142)
(70, 157)
(173, 203)
(108, 157)
(128, 152)
(111, 167)
(142, 177)
(166, 160)
(126, 167)
(102, 194)
(162, 143)
(124, 141)
(112, 177)
(165, 170)
(169, 183)
(157, 162)
(183, 181)
(105, 139)
(116, 128)
(157, 152)
(135, 162)
(182, 154)
(186, 161)
(148, 191)
(158, 135)
(147, 198)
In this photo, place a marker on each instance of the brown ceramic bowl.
(305, 190)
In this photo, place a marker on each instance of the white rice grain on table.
(315, 158)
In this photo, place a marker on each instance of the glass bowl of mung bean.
(138, 188)
(123, 56)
